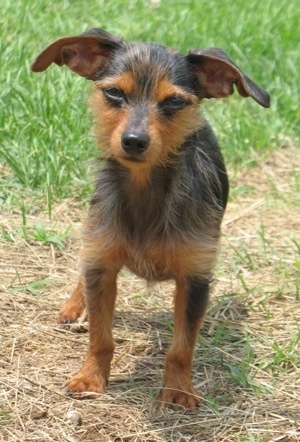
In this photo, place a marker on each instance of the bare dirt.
(247, 362)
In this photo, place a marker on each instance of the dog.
(160, 193)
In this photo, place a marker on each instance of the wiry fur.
(160, 193)
(180, 206)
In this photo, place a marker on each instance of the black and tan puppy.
(161, 191)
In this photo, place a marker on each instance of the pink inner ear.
(84, 54)
(66, 55)
(82, 58)
(218, 77)
(218, 84)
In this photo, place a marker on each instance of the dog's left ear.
(217, 74)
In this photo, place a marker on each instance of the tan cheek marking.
(109, 123)
(167, 134)
(116, 136)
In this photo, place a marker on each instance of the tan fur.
(160, 193)
(110, 124)
(74, 307)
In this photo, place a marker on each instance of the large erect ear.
(217, 74)
(84, 54)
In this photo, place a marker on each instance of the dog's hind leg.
(73, 308)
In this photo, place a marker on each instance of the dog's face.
(145, 96)
(145, 104)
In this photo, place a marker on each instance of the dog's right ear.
(84, 54)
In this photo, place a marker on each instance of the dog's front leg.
(100, 294)
(191, 300)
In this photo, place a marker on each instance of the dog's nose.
(135, 142)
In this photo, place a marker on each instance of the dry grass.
(247, 363)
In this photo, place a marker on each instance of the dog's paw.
(85, 385)
(183, 397)
(69, 314)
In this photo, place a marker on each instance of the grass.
(44, 145)
(246, 366)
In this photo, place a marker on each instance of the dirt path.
(247, 363)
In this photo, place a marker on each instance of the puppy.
(160, 193)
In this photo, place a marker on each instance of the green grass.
(251, 336)
(45, 141)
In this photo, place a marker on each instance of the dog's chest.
(150, 233)
(154, 262)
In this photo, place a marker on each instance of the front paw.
(85, 384)
(183, 395)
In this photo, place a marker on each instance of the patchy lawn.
(247, 362)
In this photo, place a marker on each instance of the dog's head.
(145, 96)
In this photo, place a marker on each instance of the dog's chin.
(132, 160)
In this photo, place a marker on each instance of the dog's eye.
(114, 95)
(172, 104)
(176, 102)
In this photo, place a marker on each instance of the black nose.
(135, 142)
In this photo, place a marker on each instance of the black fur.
(160, 193)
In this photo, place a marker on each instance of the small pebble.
(75, 417)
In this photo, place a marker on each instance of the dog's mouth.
(133, 159)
